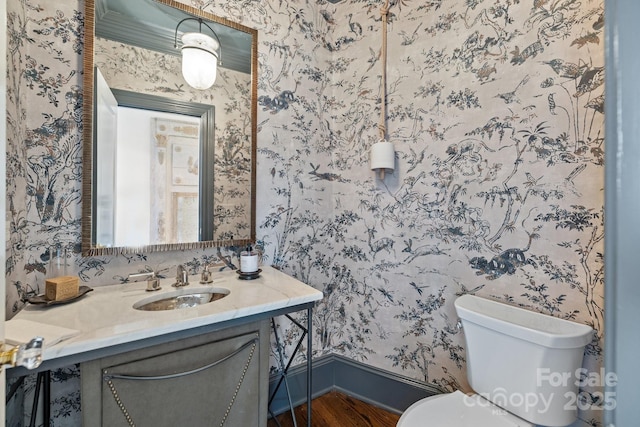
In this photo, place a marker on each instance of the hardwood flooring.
(335, 409)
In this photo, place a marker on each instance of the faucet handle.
(182, 277)
(153, 281)
(205, 277)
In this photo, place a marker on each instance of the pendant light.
(382, 152)
(200, 55)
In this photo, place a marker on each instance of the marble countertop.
(105, 316)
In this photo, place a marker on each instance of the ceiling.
(151, 25)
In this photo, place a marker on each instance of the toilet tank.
(524, 362)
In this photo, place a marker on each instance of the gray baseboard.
(378, 387)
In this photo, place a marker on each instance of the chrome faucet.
(182, 277)
(153, 281)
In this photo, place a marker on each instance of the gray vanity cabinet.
(215, 379)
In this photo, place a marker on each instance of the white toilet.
(521, 364)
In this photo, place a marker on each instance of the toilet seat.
(458, 410)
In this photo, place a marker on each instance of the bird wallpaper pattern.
(495, 109)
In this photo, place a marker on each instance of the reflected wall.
(140, 70)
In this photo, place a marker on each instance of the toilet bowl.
(458, 410)
(511, 355)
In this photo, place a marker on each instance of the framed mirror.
(166, 166)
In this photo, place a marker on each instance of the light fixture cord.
(384, 13)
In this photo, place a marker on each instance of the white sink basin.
(181, 298)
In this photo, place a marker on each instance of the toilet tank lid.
(520, 323)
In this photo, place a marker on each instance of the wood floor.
(335, 409)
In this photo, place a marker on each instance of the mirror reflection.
(171, 166)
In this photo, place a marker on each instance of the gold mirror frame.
(88, 249)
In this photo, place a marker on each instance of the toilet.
(521, 365)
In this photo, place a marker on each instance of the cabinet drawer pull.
(106, 376)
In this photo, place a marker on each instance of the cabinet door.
(217, 383)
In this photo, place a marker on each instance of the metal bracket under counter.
(284, 367)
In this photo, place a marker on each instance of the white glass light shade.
(383, 157)
(199, 60)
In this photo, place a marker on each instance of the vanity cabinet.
(215, 379)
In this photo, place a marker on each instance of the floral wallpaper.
(495, 109)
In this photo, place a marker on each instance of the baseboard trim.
(376, 386)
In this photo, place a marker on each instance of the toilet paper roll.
(382, 156)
